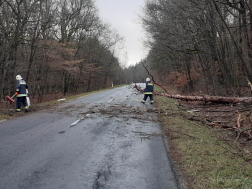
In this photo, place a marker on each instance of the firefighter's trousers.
(20, 101)
(148, 95)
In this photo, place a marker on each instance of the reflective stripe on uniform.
(21, 95)
(148, 93)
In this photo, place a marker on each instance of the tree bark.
(215, 99)
(205, 98)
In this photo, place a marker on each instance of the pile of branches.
(230, 115)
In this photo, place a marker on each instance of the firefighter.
(21, 94)
(148, 91)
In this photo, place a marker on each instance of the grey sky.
(122, 15)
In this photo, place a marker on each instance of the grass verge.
(205, 160)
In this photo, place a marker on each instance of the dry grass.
(205, 160)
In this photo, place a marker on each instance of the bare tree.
(208, 37)
(60, 46)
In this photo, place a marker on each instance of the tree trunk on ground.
(215, 99)
(205, 98)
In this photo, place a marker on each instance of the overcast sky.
(123, 15)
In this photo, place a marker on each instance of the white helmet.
(147, 79)
(18, 77)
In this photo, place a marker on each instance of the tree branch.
(154, 80)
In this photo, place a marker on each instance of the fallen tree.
(203, 98)
(206, 98)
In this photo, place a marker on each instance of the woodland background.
(62, 46)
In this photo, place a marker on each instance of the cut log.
(239, 120)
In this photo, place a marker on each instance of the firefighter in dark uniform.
(148, 91)
(21, 94)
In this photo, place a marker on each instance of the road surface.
(107, 140)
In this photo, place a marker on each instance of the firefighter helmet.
(18, 77)
(147, 79)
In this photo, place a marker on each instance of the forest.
(57, 46)
(63, 46)
(200, 45)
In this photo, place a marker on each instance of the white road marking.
(74, 123)
(110, 100)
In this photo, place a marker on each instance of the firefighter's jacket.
(21, 87)
(149, 88)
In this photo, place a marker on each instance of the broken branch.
(154, 81)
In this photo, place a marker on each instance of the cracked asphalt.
(107, 140)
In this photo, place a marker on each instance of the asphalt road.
(107, 140)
